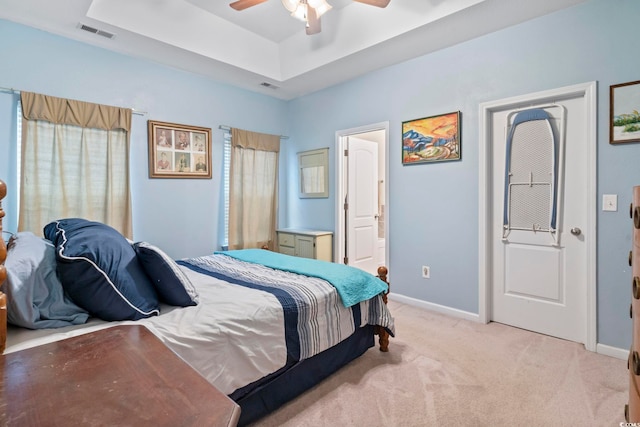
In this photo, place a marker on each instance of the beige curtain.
(253, 190)
(75, 163)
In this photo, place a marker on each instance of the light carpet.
(444, 371)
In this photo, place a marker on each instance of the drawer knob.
(631, 210)
(635, 363)
(626, 412)
(631, 311)
(630, 258)
(636, 287)
(636, 217)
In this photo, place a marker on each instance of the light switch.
(610, 202)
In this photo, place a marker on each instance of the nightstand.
(306, 243)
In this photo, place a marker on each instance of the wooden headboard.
(3, 275)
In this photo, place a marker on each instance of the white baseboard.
(606, 350)
(454, 312)
(618, 353)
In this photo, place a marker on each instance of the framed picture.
(431, 139)
(179, 151)
(624, 121)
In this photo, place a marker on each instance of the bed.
(261, 327)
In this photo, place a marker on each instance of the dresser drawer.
(286, 239)
(632, 410)
(306, 243)
(634, 398)
(287, 250)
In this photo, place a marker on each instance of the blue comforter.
(353, 285)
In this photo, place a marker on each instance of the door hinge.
(346, 206)
(346, 152)
(346, 260)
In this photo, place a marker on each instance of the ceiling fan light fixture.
(307, 11)
(291, 5)
(298, 8)
(321, 6)
(301, 11)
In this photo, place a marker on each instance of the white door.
(540, 280)
(362, 204)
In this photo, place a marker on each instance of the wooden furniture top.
(122, 375)
(3, 275)
(304, 231)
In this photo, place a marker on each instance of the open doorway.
(362, 203)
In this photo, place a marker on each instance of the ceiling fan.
(308, 11)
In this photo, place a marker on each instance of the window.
(253, 189)
(226, 167)
(75, 163)
(19, 151)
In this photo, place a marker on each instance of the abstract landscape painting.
(431, 139)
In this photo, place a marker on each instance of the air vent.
(269, 85)
(96, 31)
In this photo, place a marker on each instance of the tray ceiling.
(265, 50)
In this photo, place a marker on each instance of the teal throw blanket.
(353, 285)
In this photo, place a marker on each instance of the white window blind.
(227, 171)
(19, 152)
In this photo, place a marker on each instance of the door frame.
(587, 91)
(340, 233)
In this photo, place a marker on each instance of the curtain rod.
(228, 128)
(12, 90)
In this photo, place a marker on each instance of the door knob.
(576, 231)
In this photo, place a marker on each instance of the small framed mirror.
(313, 171)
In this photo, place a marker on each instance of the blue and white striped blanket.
(353, 285)
(314, 315)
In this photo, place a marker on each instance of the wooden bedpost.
(383, 335)
(3, 275)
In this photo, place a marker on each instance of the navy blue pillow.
(172, 285)
(100, 271)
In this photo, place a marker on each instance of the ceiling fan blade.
(313, 21)
(244, 4)
(377, 3)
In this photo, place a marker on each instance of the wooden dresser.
(632, 409)
(117, 376)
(306, 243)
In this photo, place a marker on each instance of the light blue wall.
(433, 208)
(180, 215)
(8, 165)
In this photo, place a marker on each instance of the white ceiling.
(265, 44)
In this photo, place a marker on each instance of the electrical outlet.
(426, 272)
(610, 202)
